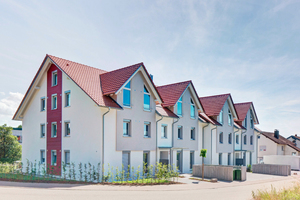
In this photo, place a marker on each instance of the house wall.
(271, 147)
(164, 142)
(289, 151)
(248, 132)
(210, 145)
(280, 149)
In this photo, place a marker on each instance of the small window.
(67, 157)
(146, 160)
(54, 78)
(193, 133)
(67, 129)
(164, 129)
(294, 153)
(179, 107)
(237, 139)
(180, 132)
(54, 129)
(245, 139)
(282, 148)
(43, 128)
(53, 157)
(228, 159)
(229, 138)
(229, 118)
(192, 109)
(67, 98)
(251, 122)
(221, 137)
(251, 140)
(221, 117)
(126, 128)
(220, 158)
(245, 122)
(146, 99)
(192, 157)
(42, 157)
(43, 104)
(126, 94)
(54, 101)
(147, 129)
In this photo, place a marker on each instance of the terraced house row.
(76, 113)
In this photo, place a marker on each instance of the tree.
(10, 149)
(20, 126)
(203, 155)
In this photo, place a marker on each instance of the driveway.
(202, 190)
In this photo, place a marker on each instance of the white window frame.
(192, 107)
(41, 130)
(230, 138)
(52, 130)
(237, 139)
(193, 133)
(245, 122)
(164, 131)
(43, 104)
(53, 78)
(229, 118)
(67, 100)
(221, 117)
(66, 126)
(192, 161)
(251, 122)
(65, 157)
(52, 157)
(181, 132)
(127, 121)
(220, 158)
(251, 140)
(42, 155)
(129, 89)
(221, 137)
(147, 94)
(149, 129)
(181, 110)
(245, 139)
(53, 102)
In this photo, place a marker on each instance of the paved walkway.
(202, 190)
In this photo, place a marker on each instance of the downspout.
(156, 139)
(171, 153)
(234, 142)
(103, 140)
(211, 143)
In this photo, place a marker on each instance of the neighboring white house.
(295, 139)
(18, 133)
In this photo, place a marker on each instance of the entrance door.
(178, 163)
(126, 160)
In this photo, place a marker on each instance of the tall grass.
(292, 193)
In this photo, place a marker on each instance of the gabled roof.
(281, 140)
(172, 92)
(295, 137)
(165, 112)
(204, 118)
(242, 110)
(213, 105)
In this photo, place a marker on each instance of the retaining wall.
(281, 170)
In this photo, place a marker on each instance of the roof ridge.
(141, 63)
(76, 62)
(243, 103)
(215, 95)
(188, 81)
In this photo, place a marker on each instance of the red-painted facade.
(54, 116)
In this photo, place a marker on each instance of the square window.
(164, 133)
(54, 129)
(54, 78)
(67, 157)
(43, 128)
(42, 157)
(67, 98)
(43, 104)
(147, 129)
(180, 133)
(193, 133)
(53, 157)
(67, 129)
(126, 128)
(54, 101)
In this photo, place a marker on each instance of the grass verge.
(292, 193)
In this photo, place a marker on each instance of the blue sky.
(250, 49)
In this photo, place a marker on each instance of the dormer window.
(126, 94)
(221, 117)
(251, 122)
(192, 109)
(54, 78)
(146, 99)
(179, 107)
(229, 118)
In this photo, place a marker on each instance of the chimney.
(276, 133)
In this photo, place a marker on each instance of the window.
(146, 160)
(126, 95)
(229, 138)
(251, 122)
(53, 129)
(192, 159)
(282, 148)
(126, 161)
(54, 78)
(43, 130)
(164, 133)
(146, 99)
(245, 139)
(294, 153)
(237, 139)
(146, 129)
(126, 128)
(180, 132)
(229, 118)
(54, 101)
(228, 159)
(43, 104)
(67, 129)
(221, 137)
(193, 133)
(67, 157)
(220, 158)
(42, 156)
(53, 157)
(251, 140)
(192, 109)
(67, 98)
(179, 107)
(221, 117)
(245, 122)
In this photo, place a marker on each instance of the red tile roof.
(239, 126)
(166, 112)
(242, 109)
(213, 105)
(172, 92)
(87, 78)
(112, 81)
(208, 119)
(281, 140)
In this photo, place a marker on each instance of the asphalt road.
(202, 190)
